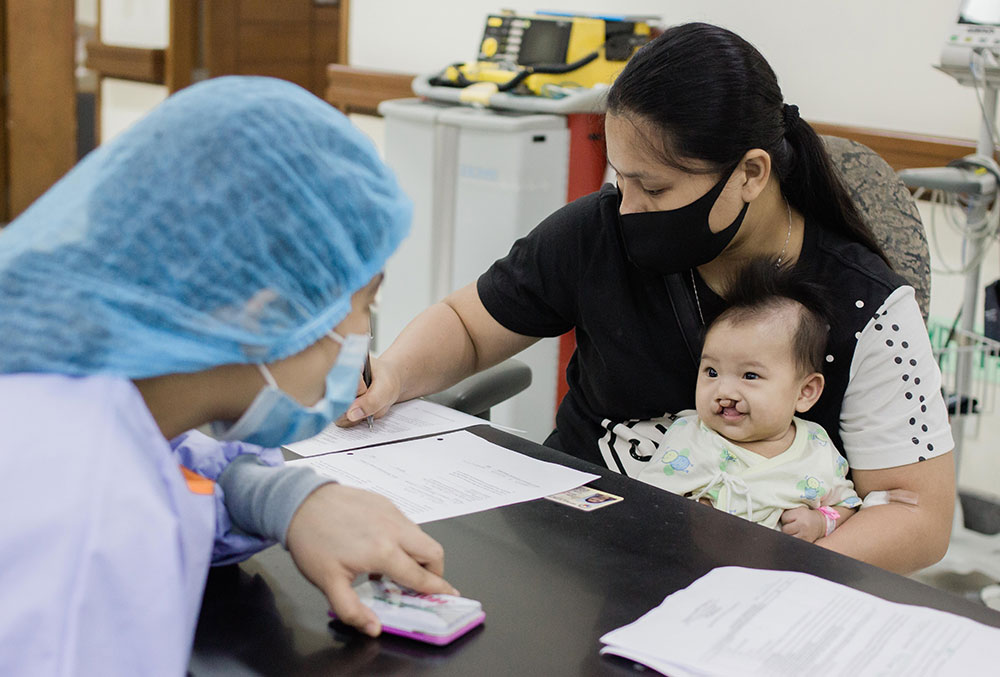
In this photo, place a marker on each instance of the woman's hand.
(451, 340)
(374, 400)
(339, 532)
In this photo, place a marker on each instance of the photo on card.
(585, 498)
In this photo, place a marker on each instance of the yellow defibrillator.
(547, 52)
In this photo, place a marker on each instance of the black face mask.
(678, 239)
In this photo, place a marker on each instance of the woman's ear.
(756, 166)
(809, 391)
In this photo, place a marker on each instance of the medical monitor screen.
(545, 42)
(980, 12)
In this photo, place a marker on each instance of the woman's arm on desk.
(449, 341)
(898, 536)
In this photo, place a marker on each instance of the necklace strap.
(697, 301)
(788, 236)
(685, 314)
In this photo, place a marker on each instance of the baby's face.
(748, 380)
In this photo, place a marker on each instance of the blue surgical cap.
(230, 225)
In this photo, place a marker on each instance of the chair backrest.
(889, 209)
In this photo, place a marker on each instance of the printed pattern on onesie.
(694, 461)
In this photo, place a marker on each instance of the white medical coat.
(104, 545)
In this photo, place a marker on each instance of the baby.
(745, 451)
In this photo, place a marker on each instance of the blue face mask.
(274, 418)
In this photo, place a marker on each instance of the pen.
(366, 373)
(366, 376)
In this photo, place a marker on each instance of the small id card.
(585, 498)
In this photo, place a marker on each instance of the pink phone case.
(438, 640)
(435, 639)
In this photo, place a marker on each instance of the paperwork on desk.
(447, 475)
(737, 621)
(405, 420)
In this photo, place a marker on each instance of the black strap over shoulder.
(686, 313)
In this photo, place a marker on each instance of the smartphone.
(434, 619)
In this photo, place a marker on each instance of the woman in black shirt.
(712, 169)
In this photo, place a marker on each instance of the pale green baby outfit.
(694, 460)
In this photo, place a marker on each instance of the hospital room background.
(854, 63)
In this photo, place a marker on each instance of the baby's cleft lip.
(730, 413)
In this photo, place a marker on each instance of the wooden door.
(40, 107)
(292, 39)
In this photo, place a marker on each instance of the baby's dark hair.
(763, 287)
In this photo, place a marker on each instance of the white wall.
(853, 62)
(135, 23)
(124, 102)
(86, 12)
(128, 23)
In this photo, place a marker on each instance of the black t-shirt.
(632, 359)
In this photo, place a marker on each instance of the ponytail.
(812, 185)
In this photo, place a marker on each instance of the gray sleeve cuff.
(262, 499)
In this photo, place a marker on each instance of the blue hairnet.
(230, 225)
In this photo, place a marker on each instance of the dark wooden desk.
(551, 578)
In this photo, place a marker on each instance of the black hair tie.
(790, 115)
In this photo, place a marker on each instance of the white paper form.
(447, 475)
(757, 622)
(404, 420)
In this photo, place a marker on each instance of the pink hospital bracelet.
(831, 516)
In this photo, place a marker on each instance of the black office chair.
(890, 210)
(480, 392)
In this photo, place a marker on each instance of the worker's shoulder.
(46, 404)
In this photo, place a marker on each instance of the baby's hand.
(804, 523)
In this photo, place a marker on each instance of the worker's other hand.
(375, 399)
(803, 522)
(339, 532)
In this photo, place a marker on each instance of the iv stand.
(983, 187)
(977, 214)
(969, 550)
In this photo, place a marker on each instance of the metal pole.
(976, 214)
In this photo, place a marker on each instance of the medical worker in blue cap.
(212, 265)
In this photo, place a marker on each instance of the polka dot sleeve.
(893, 412)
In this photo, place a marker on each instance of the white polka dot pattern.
(893, 411)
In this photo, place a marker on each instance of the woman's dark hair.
(712, 97)
(762, 288)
